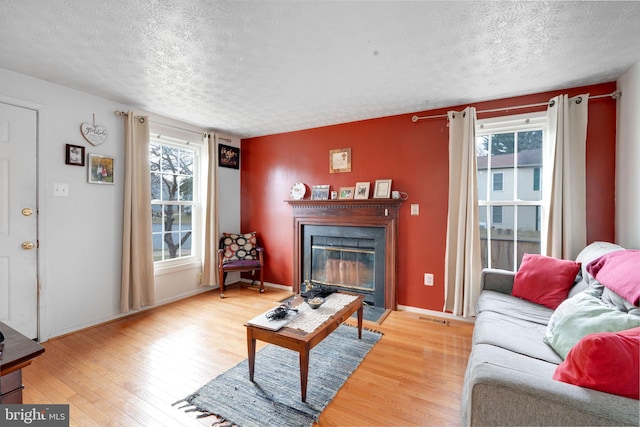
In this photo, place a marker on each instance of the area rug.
(274, 396)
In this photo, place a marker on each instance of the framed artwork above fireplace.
(340, 160)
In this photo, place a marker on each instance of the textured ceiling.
(260, 67)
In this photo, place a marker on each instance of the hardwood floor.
(129, 372)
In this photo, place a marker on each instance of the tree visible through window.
(173, 203)
(509, 158)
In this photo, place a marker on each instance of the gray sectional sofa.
(509, 374)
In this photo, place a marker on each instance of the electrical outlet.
(415, 209)
(428, 279)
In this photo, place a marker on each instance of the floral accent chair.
(240, 252)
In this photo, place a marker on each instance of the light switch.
(60, 189)
(415, 209)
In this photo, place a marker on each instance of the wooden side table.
(18, 351)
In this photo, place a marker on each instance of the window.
(174, 199)
(496, 217)
(498, 179)
(536, 179)
(509, 157)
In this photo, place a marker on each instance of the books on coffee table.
(262, 321)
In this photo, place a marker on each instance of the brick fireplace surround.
(358, 213)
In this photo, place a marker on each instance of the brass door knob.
(27, 211)
(27, 245)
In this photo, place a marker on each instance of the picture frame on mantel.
(382, 189)
(340, 160)
(320, 192)
(362, 190)
(346, 193)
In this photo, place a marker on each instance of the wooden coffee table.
(16, 353)
(301, 341)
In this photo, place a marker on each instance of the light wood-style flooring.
(128, 372)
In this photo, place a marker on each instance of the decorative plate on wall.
(298, 191)
(93, 133)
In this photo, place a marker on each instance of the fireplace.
(346, 257)
(347, 243)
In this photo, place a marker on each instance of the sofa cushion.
(516, 335)
(608, 361)
(582, 315)
(512, 306)
(505, 388)
(544, 280)
(239, 246)
(498, 356)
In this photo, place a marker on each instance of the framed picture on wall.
(228, 156)
(340, 160)
(74, 155)
(382, 189)
(362, 190)
(100, 169)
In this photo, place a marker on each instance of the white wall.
(229, 199)
(80, 235)
(229, 193)
(628, 159)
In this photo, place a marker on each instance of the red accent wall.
(415, 157)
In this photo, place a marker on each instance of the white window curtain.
(211, 235)
(564, 177)
(463, 263)
(137, 288)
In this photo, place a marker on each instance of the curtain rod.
(614, 95)
(124, 114)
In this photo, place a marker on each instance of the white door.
(18, 220)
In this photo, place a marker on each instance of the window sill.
(168, 267)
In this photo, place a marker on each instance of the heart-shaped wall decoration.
(94, 134)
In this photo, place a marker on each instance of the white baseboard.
(436, 314)
(107, 319)
(271, 285)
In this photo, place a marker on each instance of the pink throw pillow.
(605, 361)
(620, 272)
(544, 280)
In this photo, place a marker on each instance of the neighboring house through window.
(536, 179)
(498, 181)
(509, 157)
(496, 214)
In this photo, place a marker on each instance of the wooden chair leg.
(222, 277)
(261, 281)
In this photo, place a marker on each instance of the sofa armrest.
(493, 279)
